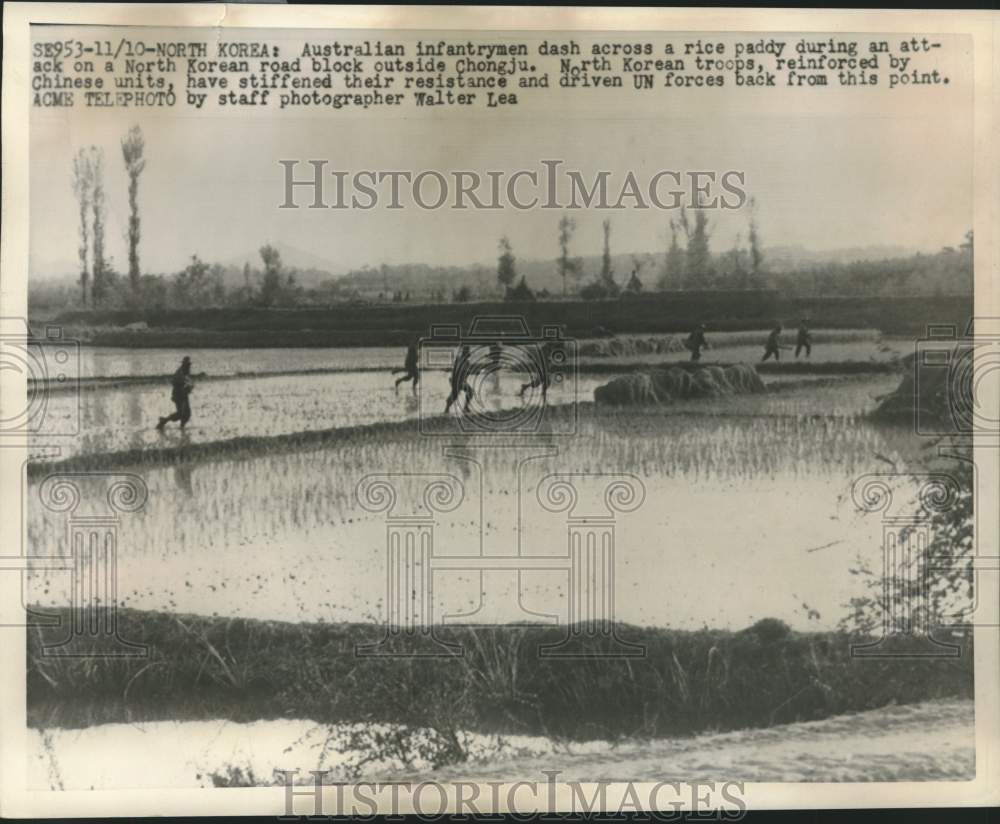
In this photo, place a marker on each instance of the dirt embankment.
(919, 742)
(931, 741)
(350, 324)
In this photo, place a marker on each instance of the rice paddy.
(281, 534)
(257, 527)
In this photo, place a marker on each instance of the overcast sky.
(828, 169)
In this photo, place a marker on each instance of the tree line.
(687, 262)
(688, 266)
(197, 284)
(97, 275)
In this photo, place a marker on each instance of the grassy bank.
(686, 682)
(396, 324)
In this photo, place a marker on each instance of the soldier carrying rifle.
(182, 388)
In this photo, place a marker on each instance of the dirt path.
(919, 742)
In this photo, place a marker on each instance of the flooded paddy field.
(262, 558)
(281, 535)
(108, 363)
(355, 388)
(117, 362)
(118, 419)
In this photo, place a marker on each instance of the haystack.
(629, 347)
(744, 379)
(636, 388)
(676, 384)
(671, 384)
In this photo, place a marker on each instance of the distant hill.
(790, 258)
(310, 270)
(291, 256)
(422, 279)
(542, 274)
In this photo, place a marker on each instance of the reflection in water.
(732, 504)
(135, 420)
(120, 419)
(104, 361)
(182, 477)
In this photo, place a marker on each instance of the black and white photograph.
(484, 410)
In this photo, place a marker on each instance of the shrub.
(685, 683)
(770, 630)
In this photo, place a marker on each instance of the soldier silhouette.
(182, 388)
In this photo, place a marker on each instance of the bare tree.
(607, 273)
(698, 268)
(673, 264)
(506, 272)
(734, 264)
(98, 285)
(133, 146)
(247, 286)
(271, 285)
(756, 254)
(83, 183)
(567, 265)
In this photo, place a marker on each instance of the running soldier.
(182, 387)
(803, 340)
(696, 342)
(460, 381)
(542, 378)
(410, 368)
(773, 344)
